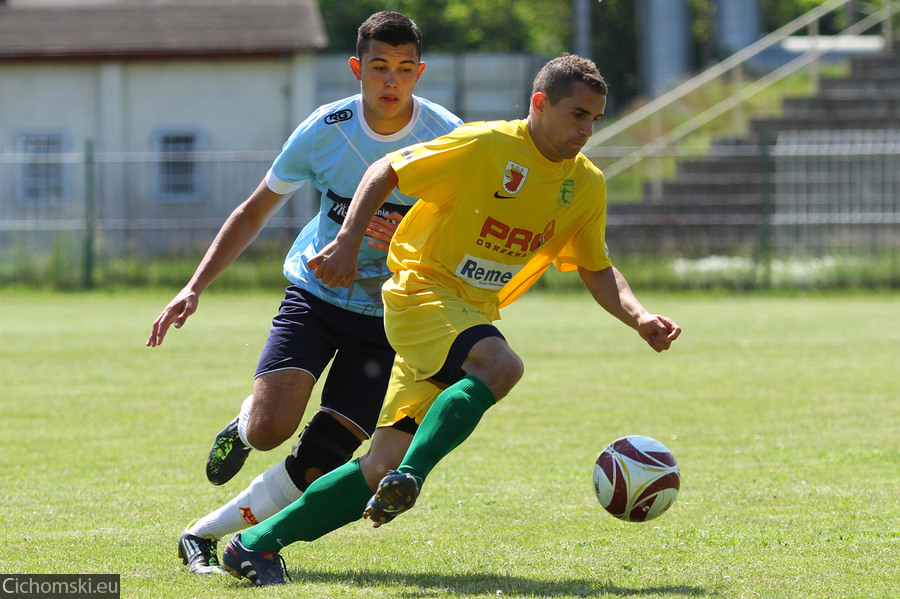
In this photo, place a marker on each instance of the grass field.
(782, 411)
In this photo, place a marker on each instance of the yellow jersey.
(493, 214)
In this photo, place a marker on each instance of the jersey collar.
(417, 107)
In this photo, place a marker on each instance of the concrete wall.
(246, 106)
(240, 104)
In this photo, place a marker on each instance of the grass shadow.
(486, 584)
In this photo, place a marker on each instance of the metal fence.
(64, 215)
(829, 195)
(836, 193)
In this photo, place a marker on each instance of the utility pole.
(581, 27)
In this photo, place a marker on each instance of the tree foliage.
(535, 26)
(778, 12)
(545, 28)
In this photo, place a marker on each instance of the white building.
(161, 78)
(134, 127)
(231, 74)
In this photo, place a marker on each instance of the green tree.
(535, 26)
(544, 27)
(614, 49)
(780, 12)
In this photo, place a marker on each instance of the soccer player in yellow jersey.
(499, 202)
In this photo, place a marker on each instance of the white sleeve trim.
(280, 186)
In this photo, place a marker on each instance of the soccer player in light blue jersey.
(316, 324)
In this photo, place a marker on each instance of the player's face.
(561, 130)
(387, 75)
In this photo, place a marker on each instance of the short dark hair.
(558, 77)
(391, 28)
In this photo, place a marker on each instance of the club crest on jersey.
(566, 191)
(514, 177)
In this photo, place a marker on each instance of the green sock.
(450, 420)
(331, 501)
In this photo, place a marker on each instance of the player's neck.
(540, 140)
(386, 126)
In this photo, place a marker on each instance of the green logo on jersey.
(566, 191)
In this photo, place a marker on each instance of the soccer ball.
(636, 478)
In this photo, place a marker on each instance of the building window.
(42, 174)
(180, 175)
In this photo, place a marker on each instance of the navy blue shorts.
(308, 333)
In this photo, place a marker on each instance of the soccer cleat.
(227, 455)
(199, 553)
(259, 567)
(396, 493)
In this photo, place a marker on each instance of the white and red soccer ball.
(636, 478)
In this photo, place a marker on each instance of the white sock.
(243, 419)
(267, 495)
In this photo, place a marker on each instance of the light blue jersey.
(333, 148)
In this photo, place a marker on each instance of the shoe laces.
(278, 559)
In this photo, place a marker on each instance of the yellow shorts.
(421, 324)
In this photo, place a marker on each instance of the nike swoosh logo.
(500, 197)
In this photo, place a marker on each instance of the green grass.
(846, 269)
(782, 412)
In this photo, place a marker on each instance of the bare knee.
(266, 431)
(494, 362)
(508, 373)
(279, 400)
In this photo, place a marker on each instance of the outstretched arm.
(610, 289)
(335, 265)
(241, 228)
